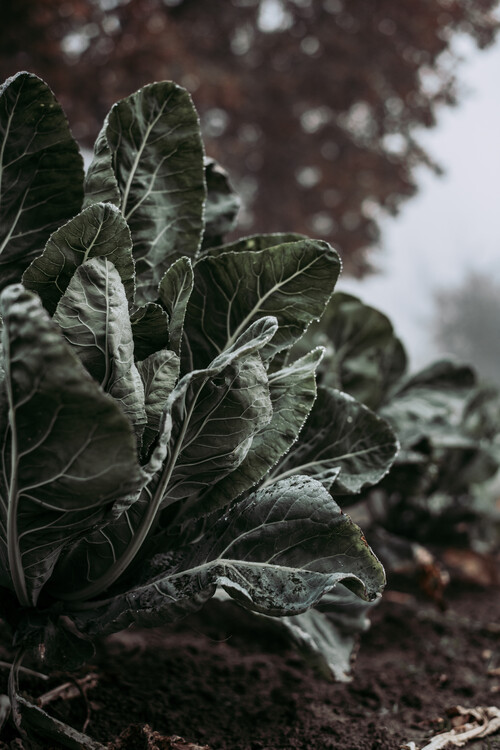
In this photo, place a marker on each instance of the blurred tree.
(467, 323)
(311, 104)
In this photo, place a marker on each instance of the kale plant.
(157, 441)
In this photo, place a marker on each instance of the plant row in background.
(437, 491)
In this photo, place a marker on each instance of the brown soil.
(233, 687)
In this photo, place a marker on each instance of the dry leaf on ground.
(468, 724)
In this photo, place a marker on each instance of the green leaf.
(329, 637)
(293, 391)
(277, 552)
(101, 185)
(159, 373)
(341, 433)
(98, 231)
(175, 290)
(255, 242)
(215, 414)
(93, 316)
(207, 427)
(149, 329)
(70, 453)
(157, 159)
(430, 404)
(41, 172)
(222, 204)
(363, 355)
(292, 281)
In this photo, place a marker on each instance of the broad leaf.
(429, 405)
(255, 242)
(101, 185)
(99, 231)
(149, 329)
(93, 316)
(41, 172)
(363, 355)
(341, 433)
(191, 453)
(174, 290)
(222, 204)
(159, 373)
(157, 159)
(293, 391)
(277, 552)
(329, 637)
(215, 415)
(292, 281)
(70, 453)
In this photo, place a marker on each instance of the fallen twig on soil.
(69, 689)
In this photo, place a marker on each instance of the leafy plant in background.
(446, 422)
(157, 443)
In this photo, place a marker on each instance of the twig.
(25, 670)
(70, 689)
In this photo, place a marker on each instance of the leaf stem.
(25, 670)
(14, 691)
(13, 551)
(122, 563)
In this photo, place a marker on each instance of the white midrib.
(137, 159)
(107, 358)
(244, 323)
(87, 252)
(310, 464)
(115, 571)
(2, 155)
(13, 550)
(204, 567)
(4, 143)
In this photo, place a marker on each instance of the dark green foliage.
(146, 397)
